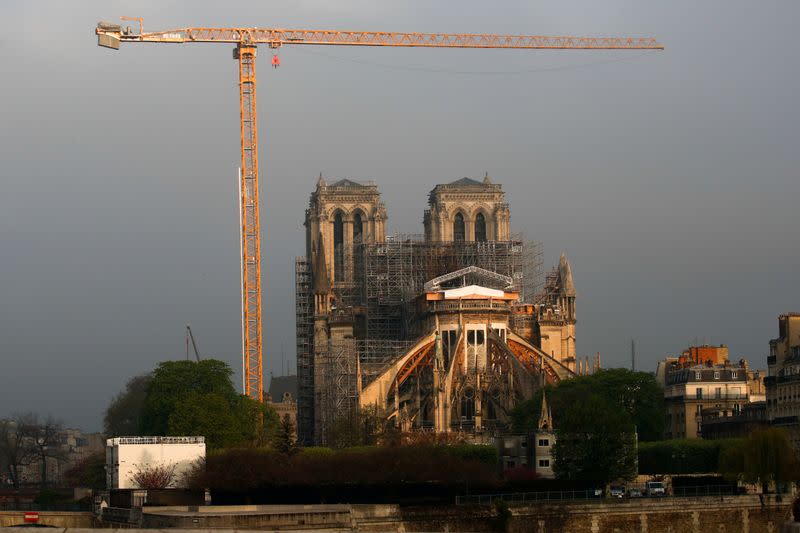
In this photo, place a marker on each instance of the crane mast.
(110, 35)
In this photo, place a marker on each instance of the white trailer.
(127, 455)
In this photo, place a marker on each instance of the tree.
(595, 441)
(636, 393)
(16, 447)
(198, 398)
(155, 476)
(123, 415)
(46, 437)
(285, 438)
(174, 381)
(765, 457)
(90, 471)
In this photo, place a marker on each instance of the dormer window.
(716, 374)
(698, 375)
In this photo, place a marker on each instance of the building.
(282, 396)
(444, 331)
(126, 456)
(544, 438)
(722, 423)
(783, 382)
(690, 387)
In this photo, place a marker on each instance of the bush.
(683, 456)
(242, 470)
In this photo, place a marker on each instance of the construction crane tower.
(111, 35)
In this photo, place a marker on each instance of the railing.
(528, 497)
(596, 494)
(706, 490)
(157, 440)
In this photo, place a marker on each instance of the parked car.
(634, 492)
(655, 488)
(617, 491)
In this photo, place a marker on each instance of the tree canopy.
(766, 456)
(595, 440)
(123, 414)
(193, 398)
(636, 393)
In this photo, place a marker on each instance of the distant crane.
(110, 35)
(189, 336)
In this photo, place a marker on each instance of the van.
(655, 488)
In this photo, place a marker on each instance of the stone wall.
(729, 514)
(49, 518)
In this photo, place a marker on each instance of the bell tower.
(343, 215)
(467, 210)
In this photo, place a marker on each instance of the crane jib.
(110, 35)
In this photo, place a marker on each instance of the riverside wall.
(729, 514)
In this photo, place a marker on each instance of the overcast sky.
(669, 178)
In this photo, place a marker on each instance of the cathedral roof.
(466, 181)
(347, 183)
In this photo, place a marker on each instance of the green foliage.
(198, 398)
(685, 456)
(88, 472)
(595, 441)
(366, 427)
(481, 453)
(123, 414)
(637, 393)
(174, 381)
(285, 441)
(766, 456)
(241, 470)
(316, 451)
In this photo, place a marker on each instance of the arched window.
(358, 252)
(358, 229)
(458, 228)
(338, 248)
(480, 228)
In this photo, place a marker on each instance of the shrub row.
(682, 456)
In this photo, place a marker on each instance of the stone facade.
(690, 389)
(783, 382)
(425, 358)
(467, 210)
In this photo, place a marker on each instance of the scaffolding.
(395, 272)
(386, 279)
(304, 325)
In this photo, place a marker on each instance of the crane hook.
(276, 61)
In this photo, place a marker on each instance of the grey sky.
(670, 179)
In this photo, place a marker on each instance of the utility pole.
(633, 355)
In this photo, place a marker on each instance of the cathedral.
(445, 331)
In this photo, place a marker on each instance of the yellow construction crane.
(111, 35)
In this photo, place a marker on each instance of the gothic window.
(358, 229)
(467, 406)
(338, 248)
(458, 228)
(358, 238)
(480, 228)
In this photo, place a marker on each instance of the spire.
(487, 180)
(322, 284)
(545, 417)
(565, 273)
(321, 181)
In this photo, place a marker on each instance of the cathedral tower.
(345, 214)
(467, 210)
